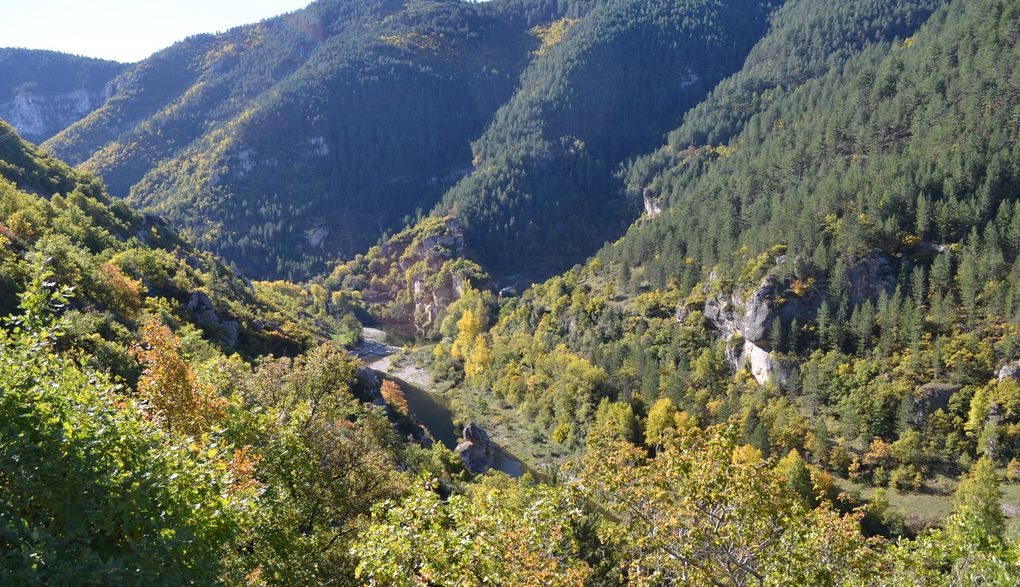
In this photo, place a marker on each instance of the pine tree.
(923, 216)
(824, 327)
(793, 339)
(968, 284)
(820, 441)
(776, 336)
(863, 325)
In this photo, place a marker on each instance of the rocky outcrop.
(1010, 370)
(929, 398)
(476, 449)
(653, 206)
(204, 313)
(750, 314)
(758, 361)
(422, 258)
(410, 280)
(367, 387)
(40, 116)
(745, 316)
(868, 276)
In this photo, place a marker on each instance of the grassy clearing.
(935, 502)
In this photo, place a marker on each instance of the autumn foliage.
(176, 400)
(394, 397)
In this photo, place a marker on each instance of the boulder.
(1010, 370)
(367, 386)
(476, 449)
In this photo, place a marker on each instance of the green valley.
(521, 292)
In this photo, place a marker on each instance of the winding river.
(430, 409)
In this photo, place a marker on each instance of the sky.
(125, 30)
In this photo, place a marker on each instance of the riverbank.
(433, 410)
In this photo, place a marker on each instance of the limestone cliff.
(413, 276)
(744, 316)
(44, 92)
(39, 116)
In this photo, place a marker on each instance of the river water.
(430, 409)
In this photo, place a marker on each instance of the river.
(430, 409)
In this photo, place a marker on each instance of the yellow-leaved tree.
(708, 511)
(468, 328)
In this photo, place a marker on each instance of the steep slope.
(602, 88)
(806, 38)
(124, 266)
(44, 92)
(838, 279)
(307, 136)
(859, 229)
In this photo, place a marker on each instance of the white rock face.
(1010, 370)
(760, 362)
(39, 116)
(319, 146)
(316, 235)
(653, 207)
(692, 78)
(245, 162)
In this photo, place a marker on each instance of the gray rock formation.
(745, 317)
(1010, 370)
(367, 387)
(653, 207)
(427, 256)
(202, 310)
(758, 361)
(928, 399)
(750, 314)
(476, 449)
(40, 116)
(869, 276)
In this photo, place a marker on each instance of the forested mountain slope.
(543, 194)
(125, 267)
(806, 38)
(306, 137)
(44, 92)
(818, 317)
(838, 278)
(384, 105)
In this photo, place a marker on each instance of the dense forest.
(543, 194)
(854, 303)
(385, 106)
(787, 351)
(377, 102)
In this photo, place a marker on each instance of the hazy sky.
(125, 30)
